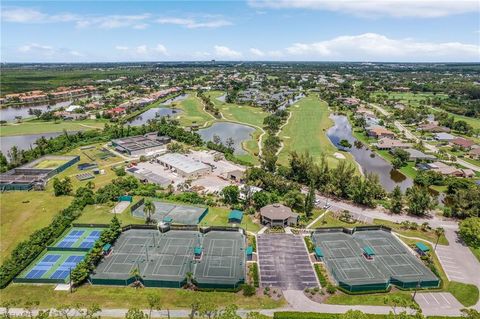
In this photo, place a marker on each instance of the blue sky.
(301, 30)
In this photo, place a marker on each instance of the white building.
(184, 166)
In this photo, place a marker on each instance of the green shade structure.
(249, 250)
(422, 247)
(197, 250)
(368, 251)
(318, 252)
(106, 247)
(235, 216)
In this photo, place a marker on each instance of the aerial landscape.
(290, 159)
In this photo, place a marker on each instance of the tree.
(153, 303)
(400, 158)
(135, 313)
(310, 200)
(295, 200)
(345, 144)
(260, 199)
(149, 210)
(470, 231)
(419, 201)
(230, 194)
(470, 313)
(62, 187)
(208, 309)
(396, 200)
(439, 231)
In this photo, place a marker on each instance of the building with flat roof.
(183, 165)
(140, 145)
(36, 173)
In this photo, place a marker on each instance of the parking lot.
(437, 300)
(284, 262)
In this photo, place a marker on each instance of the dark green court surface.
(389, 262)
(164, 259)
(172, 213)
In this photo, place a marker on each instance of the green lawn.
(218, 216)
(329, 220)
(408, 170)
(22, 213)
(102, 214)
(193, 112)
(36, 127)
(476, 252)
(474, 122)
(306, 131)
(427, 235)
(128, 297)
(377, 299)
(467, 294)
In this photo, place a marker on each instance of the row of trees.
(209, 106)
(271, 142)
(83, 269)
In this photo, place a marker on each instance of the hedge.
(254, 272)
(321, 275)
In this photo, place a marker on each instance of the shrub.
(310, 245)
(321, 275)
(248, 290)
(254, 274)
(331, 289)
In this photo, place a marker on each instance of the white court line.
(433, 296)
(425, 299)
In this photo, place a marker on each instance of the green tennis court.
(172, 213)
(368, 260)
(164, 259)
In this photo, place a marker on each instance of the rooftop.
(182, 162)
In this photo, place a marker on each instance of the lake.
(179, 98)
(23, 142)
(389, 177)
(155, 112)
(8, 114)
(238, 132)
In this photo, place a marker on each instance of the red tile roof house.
(380, 132)
(433, 127)
(462, 142)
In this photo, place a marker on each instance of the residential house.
(475, 152)
(462, 142)
(444, 137)
(416, 155)
(433, 127)
(387, 143)
(379, 132)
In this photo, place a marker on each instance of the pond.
(368, 160)
(8, 114)
(178, 98)
(238, 132)
(155, 112)
(23, 142)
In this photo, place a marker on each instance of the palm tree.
(149, 210)
(136, 273)
(439, 231)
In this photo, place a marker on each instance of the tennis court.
(51, 267)
(389, 261)
(164, 259)
(78, 238)
(173, 213)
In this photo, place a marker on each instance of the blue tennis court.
(90, 240)
(82, 238)
(71, 238)
(42, 266)
(63, 270)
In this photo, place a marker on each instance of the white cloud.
(257, 52)
(395, 8)
(114, 21)
(376, 47)
(42, 52)
(143, 51)
(194, 24)
(225, 52)
(29, 15)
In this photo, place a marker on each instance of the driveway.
(284, 262)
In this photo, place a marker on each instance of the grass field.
(128, 297)
(22, 213)
(48, 163)
(377, 299)
(21, 80)
(411, 98)
(102, 214)
(476, 252)
(306, 131)
(474, 122)
(37, 127)
(193, 112)
(329, 220)
(427, 235)
(218, 216)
